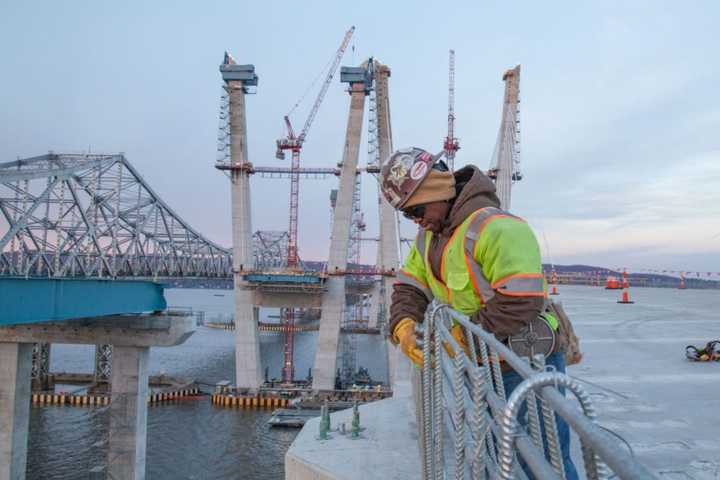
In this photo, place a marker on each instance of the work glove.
(404, 334)
(458, 334)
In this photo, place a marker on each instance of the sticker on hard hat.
(418, 170)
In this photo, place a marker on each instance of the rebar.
(472, 410)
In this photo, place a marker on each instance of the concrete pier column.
(128, 413)
(248, 372)
(15, 367)
(333, 302)
(387, 257)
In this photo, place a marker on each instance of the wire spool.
(538, 337)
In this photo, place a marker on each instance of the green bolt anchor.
(327, 414)
(355, 432)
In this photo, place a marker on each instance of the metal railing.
(469, 429)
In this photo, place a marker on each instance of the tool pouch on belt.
(566, 334)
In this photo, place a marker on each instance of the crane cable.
(314, 82)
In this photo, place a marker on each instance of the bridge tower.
(505, 169)
(247, 348)
(334, 300)
(387, 253)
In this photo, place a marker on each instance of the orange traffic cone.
(626, 286)
(554, 281)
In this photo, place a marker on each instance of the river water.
(189, 439)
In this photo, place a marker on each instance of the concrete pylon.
(387, 256)
(507, 153)
(248, 372)
(15, 366)
(127, 443)
(333, 302)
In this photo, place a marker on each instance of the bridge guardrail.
(469, 429)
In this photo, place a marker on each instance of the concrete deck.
(645, 391)
(387, 449)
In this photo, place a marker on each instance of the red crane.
(295, 144)
(451, 144)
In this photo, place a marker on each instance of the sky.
(620, 115)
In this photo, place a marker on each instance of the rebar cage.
(470, 429)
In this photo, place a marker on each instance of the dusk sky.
(620, 116)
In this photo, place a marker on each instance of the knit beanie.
(436, 187)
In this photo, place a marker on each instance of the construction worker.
(468, 253)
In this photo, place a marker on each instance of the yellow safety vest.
(491, 251)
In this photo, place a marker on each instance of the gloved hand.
(404, 334)
(458, 334)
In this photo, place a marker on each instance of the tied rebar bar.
(472, 430)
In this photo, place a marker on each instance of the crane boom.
(295, 144)
(323, 90)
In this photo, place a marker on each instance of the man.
(468, 253)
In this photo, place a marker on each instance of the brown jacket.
(503, 315)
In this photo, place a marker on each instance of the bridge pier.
(131, 337)
(15, 365)
(333, 301)
(237, 78)
(387, 255)
(128, 413)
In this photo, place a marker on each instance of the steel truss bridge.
(66, 215)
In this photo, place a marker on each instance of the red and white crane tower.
(451, 144)
(295, 143)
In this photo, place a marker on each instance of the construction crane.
(294, 143)
(451, 144)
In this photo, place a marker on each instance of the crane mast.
(295, 144)
(451, 144)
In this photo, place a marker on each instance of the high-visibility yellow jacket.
(491, 251)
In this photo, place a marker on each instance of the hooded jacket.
(502, 315)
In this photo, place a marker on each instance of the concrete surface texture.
(247, 349)
(387, 447)
(128, 413)
(644, 389)
(15, 365)
(333, 302)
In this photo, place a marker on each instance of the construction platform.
(660, 405)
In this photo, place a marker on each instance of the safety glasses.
(416, 211)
